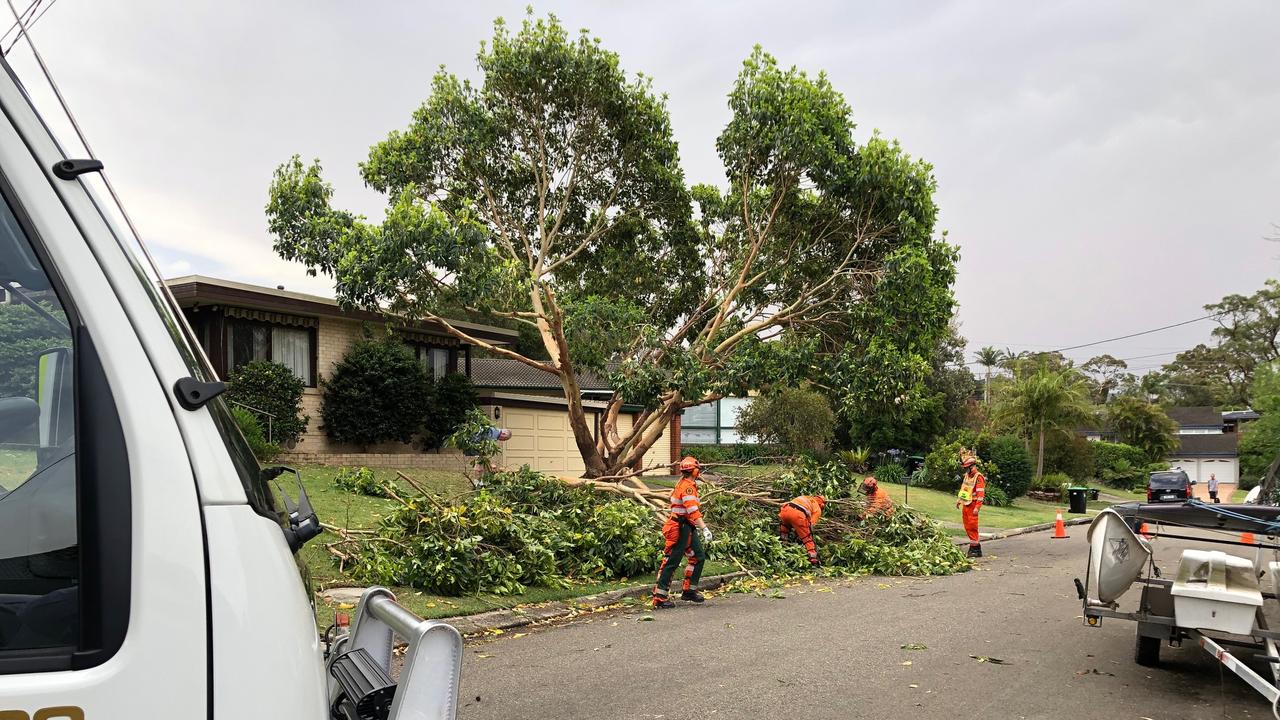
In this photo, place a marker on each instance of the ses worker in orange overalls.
(685, 532)
(800, 515)
(878, 502)
(973, 491)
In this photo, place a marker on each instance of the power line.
(1121, 337)
(29, 25)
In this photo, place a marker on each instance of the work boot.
(692, 596)
(975, 551)
(661, 603)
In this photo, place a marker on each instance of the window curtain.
(439, 362)
(291, 347)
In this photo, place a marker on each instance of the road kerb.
(491, 620)
(1024, 530)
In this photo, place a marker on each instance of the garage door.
(542, 440)
(1226, 470)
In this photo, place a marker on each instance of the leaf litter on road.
(988, 659)
(915, 646)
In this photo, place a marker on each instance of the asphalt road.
(834, 650)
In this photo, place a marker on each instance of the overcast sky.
(1103, 169)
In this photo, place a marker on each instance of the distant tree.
(1260, 439)
(988, 357)
(1105, 372)
(1045, 400)
(799, 419)
(1247, 337)
(1143, 425)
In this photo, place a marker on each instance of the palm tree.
(988, 357)
(1045, 400)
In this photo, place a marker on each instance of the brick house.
(309, 334)
(237, 322)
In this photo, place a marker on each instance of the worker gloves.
(706, 534)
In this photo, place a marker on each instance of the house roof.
(200, 290)
(1240, 415)
(506, 374)
(1223, 445)
(1195, 416)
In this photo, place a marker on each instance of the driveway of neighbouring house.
(835, 650)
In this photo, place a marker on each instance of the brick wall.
(445, 460)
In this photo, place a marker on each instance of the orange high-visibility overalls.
(682, 539)
(801, 514)
(878, 503)
(973, 491)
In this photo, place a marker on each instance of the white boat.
(1116, 556)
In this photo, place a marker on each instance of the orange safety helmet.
(689, 465)
(822, 502)
(869, 485)
(968, 457)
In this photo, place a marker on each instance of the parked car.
(1169, 486)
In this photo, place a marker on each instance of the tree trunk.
(986, 388)
(1040, 458)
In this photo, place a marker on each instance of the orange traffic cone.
(1060, 528)
(1145, 531)
(1246, 538)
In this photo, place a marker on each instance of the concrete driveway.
(835, 650)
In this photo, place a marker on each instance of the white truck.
(147, 563)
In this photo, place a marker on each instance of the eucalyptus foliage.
(549, 194)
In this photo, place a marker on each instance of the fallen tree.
(524, 529)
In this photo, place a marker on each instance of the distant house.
(1204, 449)
(713, 423)
(1207, 445)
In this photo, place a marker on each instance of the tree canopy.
(1048, 399)
(549, 194)
(1143, 425)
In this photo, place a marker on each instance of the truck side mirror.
(54, 371)
(304, 524)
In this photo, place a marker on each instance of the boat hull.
(1116, 557)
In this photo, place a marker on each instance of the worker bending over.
(684, 532)
(799, 516)
(973, 491)
(878, 502)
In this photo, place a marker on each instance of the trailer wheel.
(1146, 651)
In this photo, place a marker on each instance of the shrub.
(376, 393)
(890, 473)
(1119, 465)
(798, 419)
(1054, 483)
(1013, 461)
(942, 469)
(248, 423)
(738, 454)
(360, 481)
(272, 388)
(1069, 454)
(995, 497)
(453, 399)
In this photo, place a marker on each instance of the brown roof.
(506, 374)
(199, 290)
(1221, 445)
(1195, 416)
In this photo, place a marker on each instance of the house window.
(293, 347)
(437, 361)
(713, 423)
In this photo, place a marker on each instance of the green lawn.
(343, 509)
(16, 465)
(942, 506)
